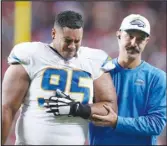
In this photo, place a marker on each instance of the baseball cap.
(135, 21)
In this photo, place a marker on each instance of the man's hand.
(109, 120)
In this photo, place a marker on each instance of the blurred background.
(33, 21)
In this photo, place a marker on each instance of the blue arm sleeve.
(154, 121)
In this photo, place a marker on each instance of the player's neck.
(129, 63)
(52, 45)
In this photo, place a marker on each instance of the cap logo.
(138, 22)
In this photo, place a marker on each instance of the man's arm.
(154, 120)
(14, 87)
(104, 93)
(151, 123)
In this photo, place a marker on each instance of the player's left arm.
(104, 94)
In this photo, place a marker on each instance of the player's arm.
(104, 93)
(62, 104)
(14, 87)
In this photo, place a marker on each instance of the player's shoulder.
(25, 51)
(92, 53)
(28, 47)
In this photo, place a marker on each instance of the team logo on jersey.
(138, 22)
(139, 82)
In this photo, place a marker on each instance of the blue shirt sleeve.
(154, 121)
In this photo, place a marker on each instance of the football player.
(54, 84)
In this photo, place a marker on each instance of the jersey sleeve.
(21, 53)
(108, 64)
(101, 62)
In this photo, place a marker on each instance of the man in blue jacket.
(141, 91)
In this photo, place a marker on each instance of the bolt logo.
(138, 22)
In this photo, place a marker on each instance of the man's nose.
(72, 45)
(133, 41)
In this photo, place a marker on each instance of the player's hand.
(109, 120)
(60, 104)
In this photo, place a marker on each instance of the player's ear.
(53, 33)
(118, 34)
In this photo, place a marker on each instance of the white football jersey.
(48, 71)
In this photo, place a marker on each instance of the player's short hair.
(69, 19)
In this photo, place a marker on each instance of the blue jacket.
(141, 107)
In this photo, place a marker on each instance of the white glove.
(60, 104)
